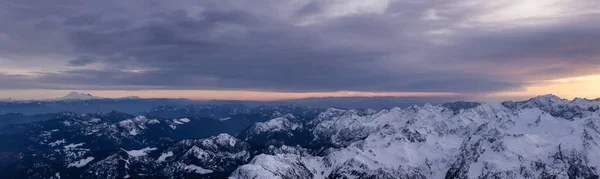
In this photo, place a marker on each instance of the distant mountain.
(385, 102)
(129, 105)
(235, 116)
(77, 96)
(88, 103)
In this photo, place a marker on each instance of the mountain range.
(88, 103)
(543, 137)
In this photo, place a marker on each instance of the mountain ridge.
(543, 137)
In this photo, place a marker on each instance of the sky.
(282, 49)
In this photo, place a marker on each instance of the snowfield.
(81, 162)
(141, 152)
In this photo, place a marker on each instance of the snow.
(73, 146)
(95, 120)
(133, 132)
(56, 143)
(428, 140)
(81, 163)
(272, 166)
(197, 169)
(198, 153)
(141, 152)
(224, 119)
(136, 125)
(164, 156)
(57, 175)
(492, 139)
(153, 121)
(225, 139)
(184, 120)
(177, 122)
(276, 124)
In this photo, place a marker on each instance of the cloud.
(297, 46)
(82, 61)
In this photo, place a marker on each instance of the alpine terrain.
(543, 137)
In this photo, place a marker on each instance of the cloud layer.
(296, 46)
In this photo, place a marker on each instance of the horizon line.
(203, 95)
(339, 94)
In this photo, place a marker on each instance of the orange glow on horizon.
(582, 87)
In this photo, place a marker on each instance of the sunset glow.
(479, 50)
(582, 87)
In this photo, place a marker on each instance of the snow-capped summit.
(548, 99)
(557, 106)
(277, 124)
(78, 96)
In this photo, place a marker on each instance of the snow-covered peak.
(78, 96)
(273, 166)
(136, 125)
(261, 132)
(274, 125)
(548, 99)
(569, 109)
(225, 139)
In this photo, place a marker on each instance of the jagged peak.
(551, 101)
(224, 136)
(577, 99)
(548, 97)
(276, 124)
(225, 139)
(426, 107)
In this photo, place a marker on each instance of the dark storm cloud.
(82, 61)
(234, 45)
(554, 51)
(310, 8)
